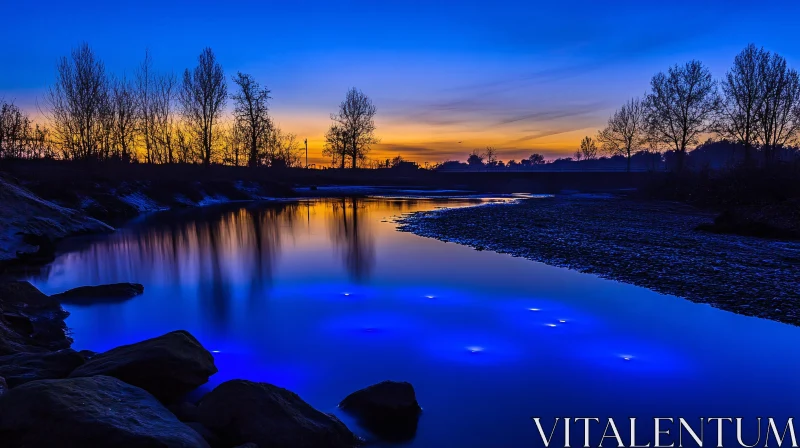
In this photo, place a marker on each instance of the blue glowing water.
(325, 297)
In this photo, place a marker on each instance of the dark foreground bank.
(651, 244)
(134, 395)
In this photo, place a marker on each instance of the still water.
(325, 297)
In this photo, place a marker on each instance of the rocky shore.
(652, 244)
(134, 395)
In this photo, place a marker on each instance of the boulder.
(30, 321)
(242, 412)
(3, 386)
(185, 411)
(84, 412)
(211, 439)
(115, 292)
(168, 366)
(388, 409)
(24, 367)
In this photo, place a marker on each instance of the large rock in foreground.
(243, 412)
(24, 367)
(388, 409)
(84, 412)
(30, 321)
(101, 293)
(168, 366)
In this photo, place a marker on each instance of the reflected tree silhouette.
(352, 238)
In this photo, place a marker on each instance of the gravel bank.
(650, 244)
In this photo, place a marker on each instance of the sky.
(446, 77)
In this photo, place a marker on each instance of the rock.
(185, 411)
(87, 354)
(242, 411)
(3, 386)
(168, 366)
(84, 412)
(247, 445)
(388, 409)
(102, 293)
(30, 321)
(206, 434)
(21, 368)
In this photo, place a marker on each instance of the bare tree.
(145, 92)
(680, 106)
(356, 121)
(163, 118)
(123, 102)
(251, 113)
(233, 145)
(587, 150)
(778, 118)
(76, 102)
(490, 154)
(284, 148)
(335, 145)
(626, 131)
(536, 159)
(15, 130)
(743, 95)
(202, 99)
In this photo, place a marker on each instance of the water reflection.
(352, 238)
(325, 297)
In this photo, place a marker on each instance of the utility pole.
(306, 142)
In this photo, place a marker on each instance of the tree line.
(156, 117)
(756, 105)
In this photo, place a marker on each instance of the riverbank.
(651, 244)
(136, 395)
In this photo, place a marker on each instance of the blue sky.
(520, 76)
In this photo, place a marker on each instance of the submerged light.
(562, 321)
(430, 297)
(534, 309)
(475, 349)
(551, 325)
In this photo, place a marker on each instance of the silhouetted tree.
(77, 102)
(680, 106)
(251, 114)
(123, 101)
(163, 117)
(283, 149)
(15, 130)
(203, 99)
(536, 159)
(626, 131)
(778, 117)
(475, 159)
(356, 121)
(587, 150)
(490, 155)
(335, 145)
(743, 96)
(145, 86)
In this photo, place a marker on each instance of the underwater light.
(627, 357)
(214, 351)
(346, 293)
(475, 349)
(430, 297)
(534, 309)
(551, 325)
(562, 321)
